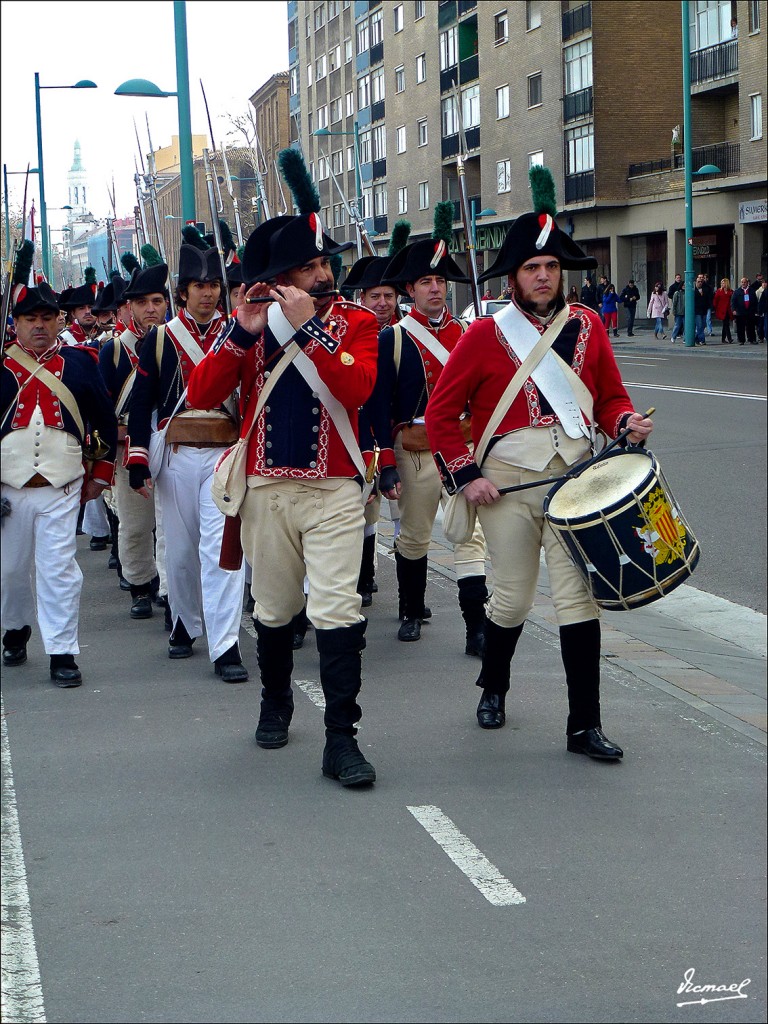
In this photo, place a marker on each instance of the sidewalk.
(645, 341)
(701, 649)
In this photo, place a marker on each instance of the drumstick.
(575, 470)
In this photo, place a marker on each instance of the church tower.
(76, 179)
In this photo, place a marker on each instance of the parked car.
(487, 306)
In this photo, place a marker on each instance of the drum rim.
(654, 472)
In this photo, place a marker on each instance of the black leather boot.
(64, 671)
(340, 653)
(580, 650)
(15, 646)
(230, 667)
(366, 582)
(300, 626)
(180, 642)
(412, 586)
(473, 594)
(500, 644)
(274, 650)
(141, 608)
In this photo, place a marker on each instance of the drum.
(623, 529)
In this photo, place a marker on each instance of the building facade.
(380, 93)
(271, 132)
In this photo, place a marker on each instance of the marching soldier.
(52, 396)
(303, 508)
(78, 303)
(189, 443)
(412, 354)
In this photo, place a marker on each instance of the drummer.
(541, 434)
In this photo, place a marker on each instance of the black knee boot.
(340, 653)
(367, 571)
(473, 594)
(412, 587)
(580, 650)
(500, 644)
(274, 650)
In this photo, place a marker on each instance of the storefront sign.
(753, 211)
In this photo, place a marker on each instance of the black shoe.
(15, 646)
(490, 710)
(179, 642)
(99, 543)
(426, 614)
(142, 607)
(230, 666)
(593, 743)
(410, 630)
(113, 562)
(274, 720)
(366, 597)
(630, 334)
(64, 671)
(124, 584)
(343, 761)
(374, 587)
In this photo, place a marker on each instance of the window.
(350, 158)
(308, 26)
(349, 104)
(500, 28)
(710, 23)
(421, 67)
(379, 139)
(578, 66)
(312, 170)
(320, 67)
(470, 106)
(322, 117)
(580, 149)
(363, 38)
(309, 122)
(756, 116)
(333, 9)
(365, 147)
(532, 14)
(363, 92)
(502, 102)
(423, 195)
(366, 203)
(397, 15)
(338, 215)
(402, 199)
(534, 90)
(348, 54)
(335, 110)
(536, 159)
(419, 10)
(450, 116)
(319, 16)
(421, 127)
(377, 85)
(754, 15)
(294, 81)
(503, 176)
(377, 27)
(448, 47)
(379, 200)
(334, 58)
(309, 74)
(322, 168)
(293, 29)
(400, 136)
(400, 79)
(337, 162)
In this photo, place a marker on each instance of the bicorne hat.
(149, 281)
(198, 265)
(286, 242)
(27, 300)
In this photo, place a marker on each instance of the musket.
(141, 238)
(217, 232)
(258, 160)
(232, 196)
(466, 216)
(280, 187)
(353, 213)
(220, 203)
(7, 292)
(151, 180)
(140, 200)
(111, 228)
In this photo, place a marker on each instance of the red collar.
(445, 318)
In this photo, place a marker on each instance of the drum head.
(600, 486)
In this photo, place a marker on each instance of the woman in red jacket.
(721, 303)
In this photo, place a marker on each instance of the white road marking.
(694, 391)
(497, 889)
(313, 690)
(22, 991)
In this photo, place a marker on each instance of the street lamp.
(324, 132)
(6, 172)
(141, 87)
(82, 84)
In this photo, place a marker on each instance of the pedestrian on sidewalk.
(678, 312)
(610, 310)
(743, 307)
(710, 296)
(701, 304)
(658, 309)
(722, 307)
(630, 296)
(539, 435)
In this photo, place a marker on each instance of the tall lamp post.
(323, 133)
(45, 239)
(141, 87)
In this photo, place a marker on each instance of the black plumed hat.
(198, 265)
(149, 281)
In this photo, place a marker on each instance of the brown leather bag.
(199, 429)
(414, 437)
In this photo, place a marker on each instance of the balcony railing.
(718, 61)
(580, 187)
(579, 19)
(380, 224)
(466, 5)
(448, 77)
(449, 145)
(577, 104)
(725, 155)
(469, 69)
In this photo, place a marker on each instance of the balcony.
(377, 53)
(380, 225)
(465, 6)
(577, 104)
(469, 69)
(446, 13)
(580, 188)
(379, 168)
(448, 78)
(377, 110)
(579, 19)
(720, 61)
(725, 155)
(449, 146)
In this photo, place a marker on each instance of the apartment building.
(272, 124)
(380, 93)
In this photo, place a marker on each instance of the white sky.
(234, 48)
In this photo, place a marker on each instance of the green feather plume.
(240, 252)
(130, 262)
(227, 241)
(22, 266)
(399, 237)
(543, 190)
(303, 189)
(443, 221)
(90, 275)
(192, 236)
(150, 255)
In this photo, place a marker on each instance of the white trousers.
(40, 537)
(95, 522)
(200, 593)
